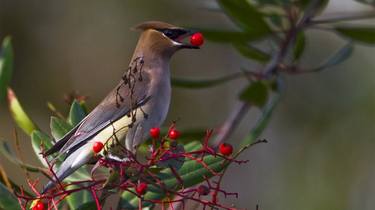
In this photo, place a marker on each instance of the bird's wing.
(130, 94)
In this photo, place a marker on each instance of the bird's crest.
(154, 25)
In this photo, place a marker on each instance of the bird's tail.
(69, 166)
(62, 173)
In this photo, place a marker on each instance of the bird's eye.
(168, 33)
(172, 34)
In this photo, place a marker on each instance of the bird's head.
(163, 37)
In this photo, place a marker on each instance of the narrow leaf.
(338, 57)
(79, 175)
(75, 200)
(7, 153)
(203, 83)
(12, 186)
(7, 199)
(226, 36)
(59, 127)
(365, 34)
(6, 66)
(272, 2)
(262, 122)
(87, 206)
(245, 15)
(19, 115)
(299, 45)
(191, 173)
(256, 94)
(251, 52)
(317, 6)
(40, 140)
(76, 114)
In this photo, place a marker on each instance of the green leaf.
(176, 163)
(226, 36)
(59, 127)
(6, 66)
(39, 140)
(87, 206)
(338, 57)
(251, 52)
(276, 19)
(77, 199)
(256, 94)
(13, 185)
(76, 114)
(365, 34)
(299, 45)
(262, 122)
(19, 115)
(319, 5)
(203, 83)
(272, 2)
(79, 175)
(245, 15)
(191, 173)
(7, 199)
(7, 153)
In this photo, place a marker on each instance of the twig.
(231, 123)
(344, 17)
(5, 178)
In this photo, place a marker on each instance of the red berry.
(38, 206)
(155, 133)
(141, 188)
(203, 190)
(97, 147)
(226, 149)
(174, 134)
(196, 39)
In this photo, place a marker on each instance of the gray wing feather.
(62, 141)
(109, 110)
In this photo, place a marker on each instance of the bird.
(139, 102)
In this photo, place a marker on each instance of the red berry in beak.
(141, 188)
(174, 134)
(226, 149)
(196, 39)
(155, 133)
(97, 147)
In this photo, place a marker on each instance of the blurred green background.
(321, 138)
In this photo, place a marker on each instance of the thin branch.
(231, 123)
(5, 178)
(343, 17)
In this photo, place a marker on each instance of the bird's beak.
(181, 41)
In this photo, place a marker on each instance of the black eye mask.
(173, 33)
(177, 35)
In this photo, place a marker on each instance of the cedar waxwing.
(138, 103)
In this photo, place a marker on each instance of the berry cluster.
(135, 178)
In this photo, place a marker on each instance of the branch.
(345, 17)
(231, 123)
